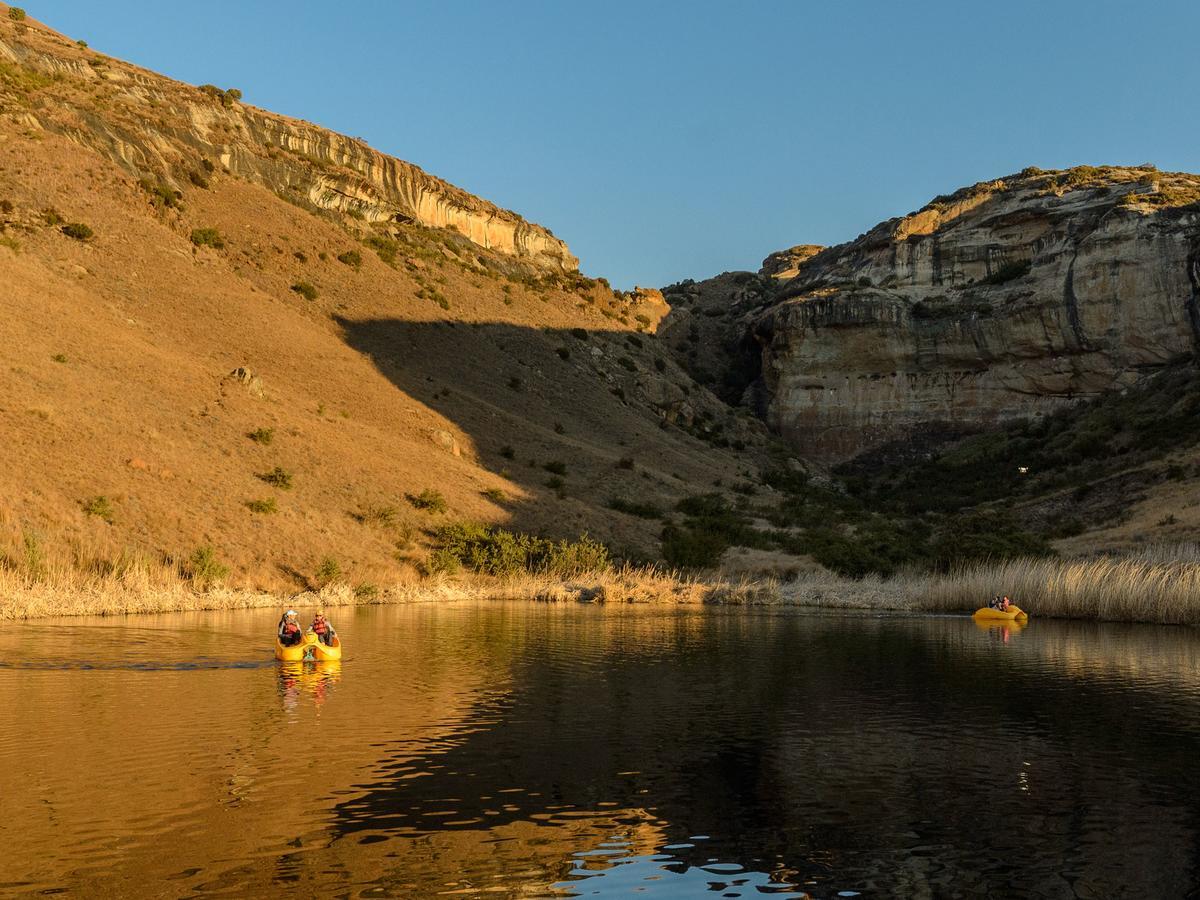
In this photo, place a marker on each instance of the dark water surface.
(522, 750)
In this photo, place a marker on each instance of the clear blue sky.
(665, 140)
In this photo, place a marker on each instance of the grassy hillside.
(304, 392)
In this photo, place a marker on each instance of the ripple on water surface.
(533, 750)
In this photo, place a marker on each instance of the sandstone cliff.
(151, 125)
(1007, 298)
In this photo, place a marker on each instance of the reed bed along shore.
(145, 589)
(1160, 585)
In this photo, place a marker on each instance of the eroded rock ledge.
(151, 124)
(1007, 298)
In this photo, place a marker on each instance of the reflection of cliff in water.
(893, 753)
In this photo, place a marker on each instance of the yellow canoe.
(325, 651)
(309, 648)
(294, 653)
(1013, 614)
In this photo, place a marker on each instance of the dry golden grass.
(1161, 584)
(66, 575)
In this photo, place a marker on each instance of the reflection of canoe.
(312, 672)
(309, 648)
(1014, 613)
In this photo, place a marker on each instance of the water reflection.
(548, 751)
(619, 866)
(1000, 631)
(308, 678)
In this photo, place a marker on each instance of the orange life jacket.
(319, 626)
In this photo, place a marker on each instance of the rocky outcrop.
(785, 264)
(154, 126)
(1005, 299)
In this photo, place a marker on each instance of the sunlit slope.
(215, 365)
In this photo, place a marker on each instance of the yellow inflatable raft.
(1012, 614)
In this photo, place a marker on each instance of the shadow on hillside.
(540, 405)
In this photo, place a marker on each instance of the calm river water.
(524, 750)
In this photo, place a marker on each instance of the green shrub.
(351, 258)
(208, 237)
(515, 383)
(384, 516)
(555, 467)
(204, 569)
(262, 436)
(439, 298)
(100, 507)
(563, 353)
(441, 562)
(225, 97)
(305, 290)
(59, 357)
(162, 196)
(78, 231)
(625, 462)
(385, 248)
(635, 508)
(428, 500)
(984, 536)
(16, 14)
(277, 477)
(366, 592)
(786, 480)
(198, 179)
(580, 334)
(264, 506)
(51, 216)
(495, 494)
(495, 551)
(689, 549)
(507, 451)
(329, 570)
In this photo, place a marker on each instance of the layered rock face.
(152, 125)
(1006, 299)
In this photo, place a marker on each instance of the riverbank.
(144, 588)
(1159, 586)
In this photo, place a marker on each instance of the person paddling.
(289, 629)
(323, 629)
